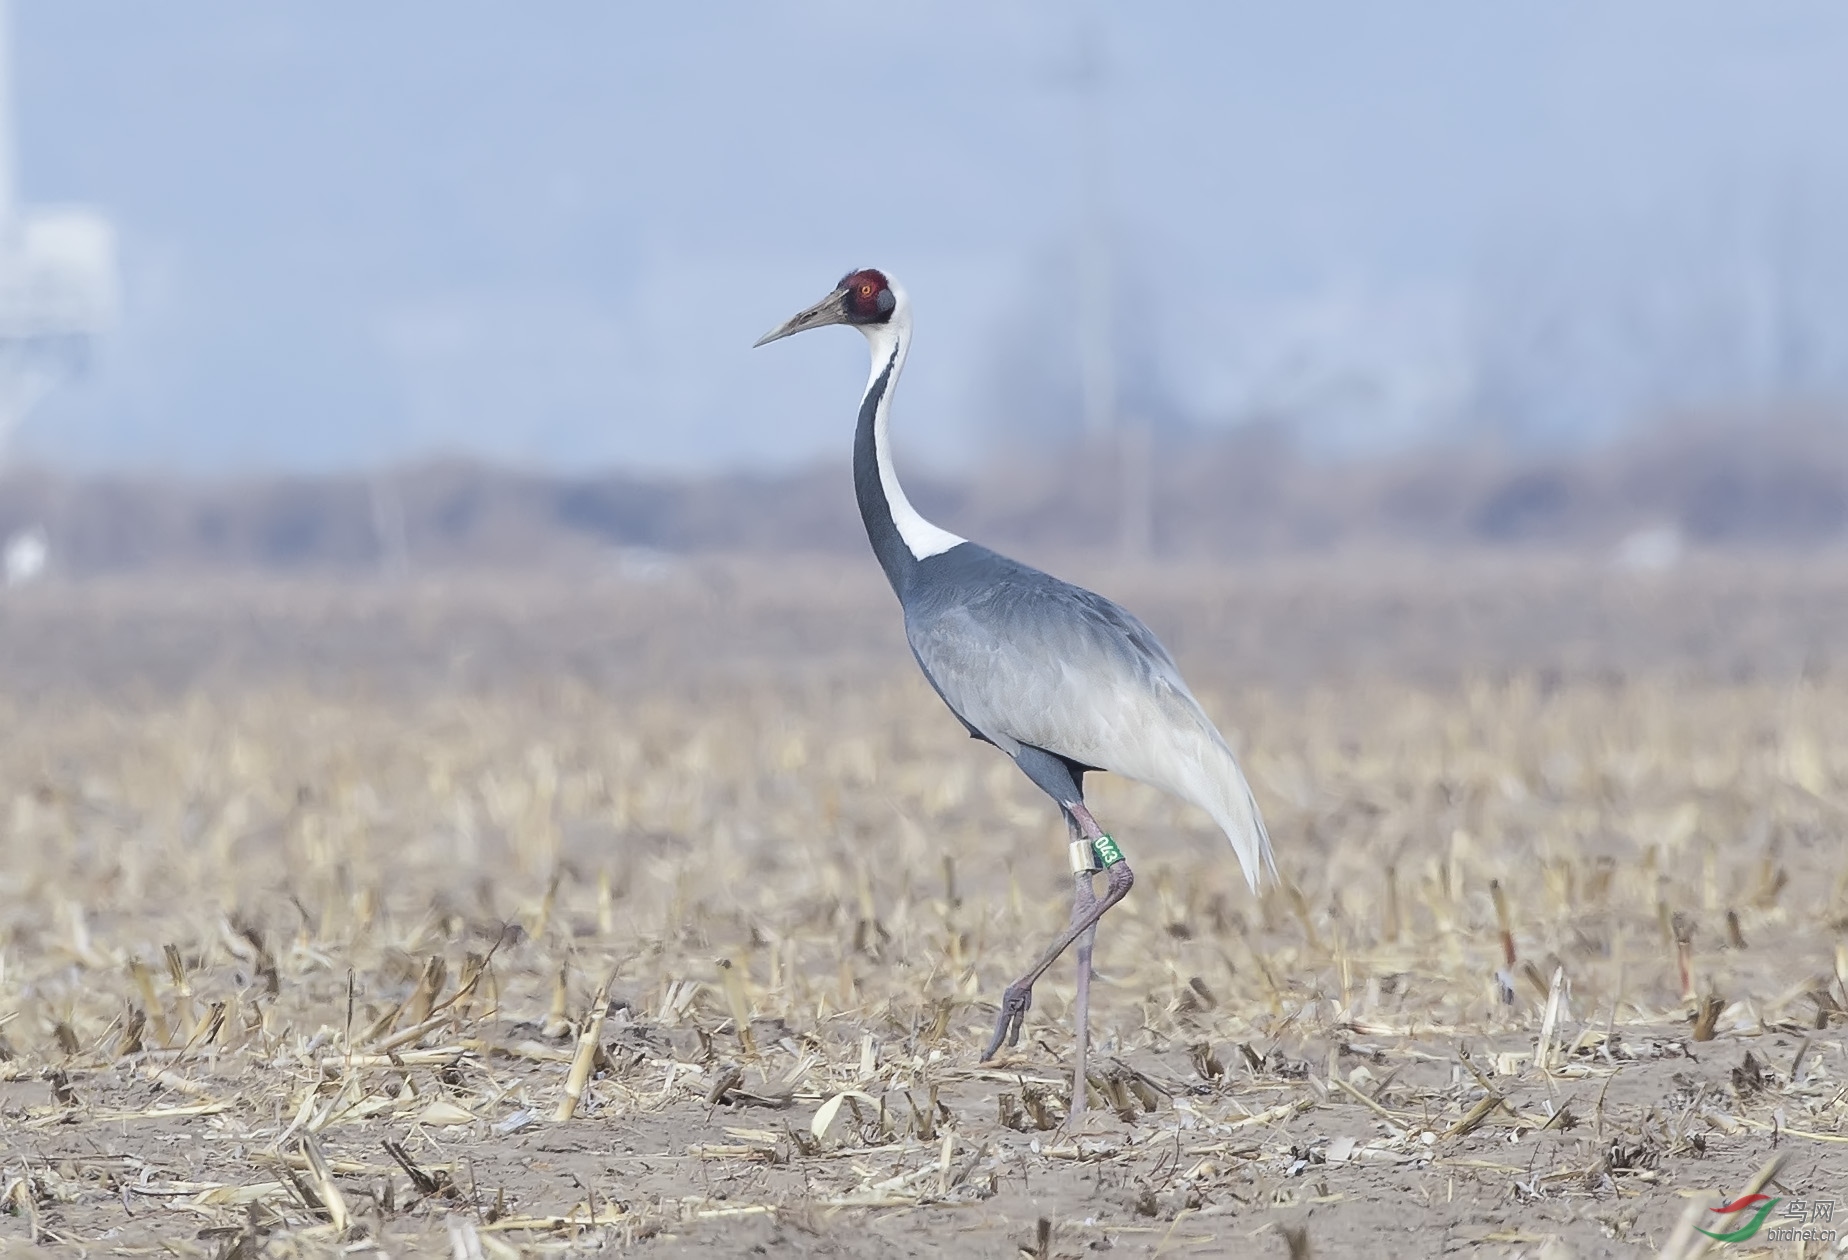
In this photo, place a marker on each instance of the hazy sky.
(549, 233)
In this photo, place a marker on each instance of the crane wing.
(1029, 659)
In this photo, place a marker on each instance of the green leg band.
(1108, 853)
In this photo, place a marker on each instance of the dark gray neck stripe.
(875, 512)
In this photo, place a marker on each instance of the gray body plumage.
(1026, 659)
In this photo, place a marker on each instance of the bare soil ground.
(318, 903)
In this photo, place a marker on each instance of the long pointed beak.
(830, 310)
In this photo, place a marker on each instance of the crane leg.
(1087, 909)
(1084, 897)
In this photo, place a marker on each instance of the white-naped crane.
(1060, 679)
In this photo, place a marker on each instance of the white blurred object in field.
(57, 280)
(1655, 549)
(26, 555)
(645, 564)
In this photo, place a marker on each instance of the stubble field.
(321, 906)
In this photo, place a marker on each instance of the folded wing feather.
(1064, 669)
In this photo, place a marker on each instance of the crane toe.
(1016, 1001)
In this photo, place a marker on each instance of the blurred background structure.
(57, 295)
(57, 280)
(442, 284)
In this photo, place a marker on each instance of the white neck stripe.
(889, 342)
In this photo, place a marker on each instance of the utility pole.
(1129, 443)
(1096, 353)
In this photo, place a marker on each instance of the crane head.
(861, 298)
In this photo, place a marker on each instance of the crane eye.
(866, 290)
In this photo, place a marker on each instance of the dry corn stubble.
(260, 927)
